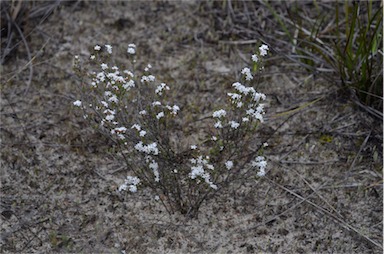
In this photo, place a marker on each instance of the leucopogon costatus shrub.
(130, 107)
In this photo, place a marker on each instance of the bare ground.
(323, 190)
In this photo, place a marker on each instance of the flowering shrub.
(132, 108)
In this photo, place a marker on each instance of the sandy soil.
(323, 190)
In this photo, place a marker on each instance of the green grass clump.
(342, 41)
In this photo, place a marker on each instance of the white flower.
(136, 126)
(234, 96)
(148, 149)
(77, 103)
(258, 96)
(218, 125)
(160, 88)
(129, 73)
(263, 50)
(265, 144)
(131, 49)
(155, 168)
(156, 103)
(142, 133)
(148, 67)
(97, 48)
(175, 109)
(234, 124)
(193, 147)
(219, 113)
(214, 138)
(245, 119)
(109, 48)
(130, 182)
(109, 117)
(142, 112)
(229, 165)
(148, 78)
(261, 164)
(243, 89)
(92, 57)
(114, 99)
(255, 58)
(247, 72)
(104, 66)
(120, 129)
(198, 170)
(128, 85)
(160, 115)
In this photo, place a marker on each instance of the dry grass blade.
(343, 223)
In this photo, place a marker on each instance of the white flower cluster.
(229, 164)
(77, 103)
(130, 183)
(160, 88)
(148, 149)
(247, 72)
(142, 133)
(263, 50)
(260, 163)
(131, 49)
(198, 170)
(255, 109)
(155, 168)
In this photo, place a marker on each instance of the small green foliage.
(325, 139)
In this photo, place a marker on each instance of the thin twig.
(343, 223)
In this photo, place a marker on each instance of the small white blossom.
(129, 73)
(160, 115)
(77, 103)
(265, 144)
(234, 96)
(219, 113)
(142, 133)
(149, 78)
(136, 126)
(255, 58)
(160, 88)
(156, 103)
(97, 48)
(131, 49)
(130, 183)
(148, 67)
(229, 165)
(214, 138)
(142, 112)
(245, 119)
(104, 66)
(155, 168)
(193, 147)
(92, 57)
(247, 72)
(105, 104)
(128, 85)
(234, 124)
(148, 149)
(263, 50)
(218, 125)
(114, 99)
(261, 164)
(109, 48)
